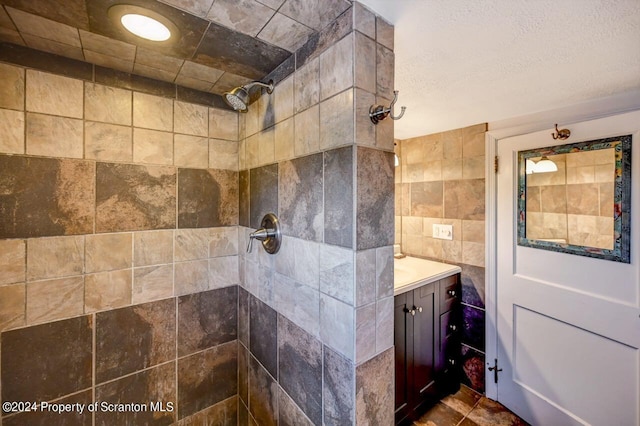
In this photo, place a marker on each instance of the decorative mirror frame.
(622, 199)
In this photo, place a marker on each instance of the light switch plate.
(443, 232)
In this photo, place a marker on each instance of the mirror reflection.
(569, 198)
(576, 198)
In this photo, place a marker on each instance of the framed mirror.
(576, 198)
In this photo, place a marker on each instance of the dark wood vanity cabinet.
(427, 346)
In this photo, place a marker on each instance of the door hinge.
(495, 164)
(495, 370)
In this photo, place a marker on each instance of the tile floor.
(469, 408)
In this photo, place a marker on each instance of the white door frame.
(590, 110)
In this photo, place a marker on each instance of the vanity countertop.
(412, 272)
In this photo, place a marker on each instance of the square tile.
(307, 131)
(300, 303)
(108, 252)
(153, 147)
(54, 47)
(54, 94)
(45, 28)
(223, 154)
(191, 244)
(283, 100)
(263, 335)
(107, 104)
(364, 20)
(107, 46)
(223, 124)
(384, 33)
(316, 13)
(336, 325)
(12, 306)
(152, 247)
(337, 121)
(152, 112)
(223, 272)
(365, 62)
(54, 257)
(365, 332)
(207, 319)
(190, 119)
(191, 277)
(338, 197)
(11, 87)
(191, 151)
(285, 32)
(337, 273)
(107, 290)
(263, 395)
(207, 198)
(284, 144)
(55, 299)
(154, 59)
(200, 72)
(289, 413)
(107, 61)
(12, 261)
(152, 283)
(107, 142)
(52, 136)
(374, 390)
(336, 68)
(338, 384)
(263, 193)
(146, 336)
(385, 61)
(245, 16)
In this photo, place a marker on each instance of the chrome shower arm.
(269, 86)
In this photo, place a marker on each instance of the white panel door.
(568, 326)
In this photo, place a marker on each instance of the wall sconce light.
(378, 113)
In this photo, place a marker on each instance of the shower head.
(238, 98)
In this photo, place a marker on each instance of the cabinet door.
(424, 342)
(402, 321)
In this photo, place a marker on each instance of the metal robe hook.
(561, 134)
(378, 113)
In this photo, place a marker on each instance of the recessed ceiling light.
(143, 23)
(145, 27)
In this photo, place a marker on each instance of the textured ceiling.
(464, 62)
(222, 43)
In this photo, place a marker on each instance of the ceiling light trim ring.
(116, 12)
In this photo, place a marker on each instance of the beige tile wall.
(440, 180)
(47, 279)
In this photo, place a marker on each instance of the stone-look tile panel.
(384, 324)
(107, 290)
(44, 417)
(464, 199)
(307, 85)
(152, 147)
(263, 326)
(207, 378)
(134, 197)
(54, 257)
(300, 197)
(384, 272)
(289, 414)
(207, 198)
(191, 151)
(338, 197)
(152, 247)
(337, 273)
(427, 199)
(245, 16)
(152, 283)
(300, 367)
(108, 252)
(243, 373)
(54, 299)
(374, 390)
(52, 136)
(223, 241)
(223, 272)
(336, 68)
(107, 104)
(11, 87)
(263, 395)
(146, 336)
(12, 306)
(107, 142)
(154, 385)
(337, 325)
(12, 261)
(223, 124)
(152, 112)
(316, 15)
(298, 302)
(283, 100)
(12, 129)
(109, 62)
(47, 361)
(375, 224)
(54, 94)
(243, 202)
(263, 193)
(190, 119)
(285, 32)
(191, 244)
(207, 319)
(191, 277)
(284, 144)
(223, 413)
(223, 154)
(337, 391)
(307, 131)
(337, 120)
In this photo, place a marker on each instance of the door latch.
(495, 370)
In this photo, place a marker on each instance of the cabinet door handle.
(410, 311)
(452, 327)
(451, 293)
(419, 308)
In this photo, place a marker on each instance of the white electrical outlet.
(443, 232)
